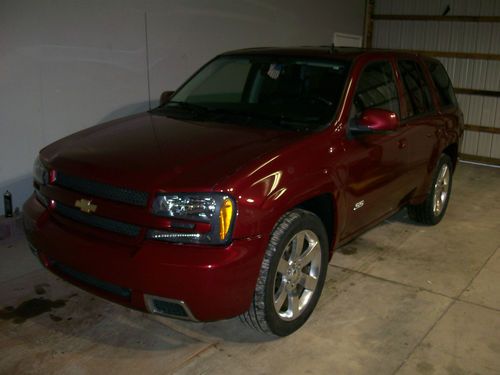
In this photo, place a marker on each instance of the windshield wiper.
(246, 116)
(192, 108)
(188, 105)
(281, 121)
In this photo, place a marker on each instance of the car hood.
(148, 152)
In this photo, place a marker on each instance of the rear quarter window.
(443, 83)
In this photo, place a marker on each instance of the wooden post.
(368, 26)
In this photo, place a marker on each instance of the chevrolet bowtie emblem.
(86, 206)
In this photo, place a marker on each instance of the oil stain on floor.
(348, 250)
(29, 309)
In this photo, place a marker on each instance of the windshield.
(292, 93)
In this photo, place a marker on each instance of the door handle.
(402, 143)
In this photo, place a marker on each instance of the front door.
(377, 180)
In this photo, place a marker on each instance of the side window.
(376, 89)
(443, 83)
(416, 92)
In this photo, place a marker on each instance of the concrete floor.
(401, 299)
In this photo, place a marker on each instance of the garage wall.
(475, 74)
(69, 64)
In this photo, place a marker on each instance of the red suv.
(230, 197)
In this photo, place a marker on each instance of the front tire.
(432, 210)
(292, 274)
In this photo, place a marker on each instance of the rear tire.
(432, 210)
(292, 275)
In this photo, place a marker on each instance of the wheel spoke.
(280, 298)
(441, 189)
(308, 282)
(293, 303)
(443, 173)
(309, 254)
(446, 180)
(438, 203)
(297, 245)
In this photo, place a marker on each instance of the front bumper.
(211, 282)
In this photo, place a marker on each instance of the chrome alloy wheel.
(297, 275)
(441, 189)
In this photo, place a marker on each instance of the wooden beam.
(480, 159)
(459, 90)
(422, 17)
(482, 129)
(458, 55)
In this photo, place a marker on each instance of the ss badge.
(358, 205)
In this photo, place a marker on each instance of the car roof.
(327, 52)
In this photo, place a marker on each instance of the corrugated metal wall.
(456, 36)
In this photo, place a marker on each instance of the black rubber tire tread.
(256, 317)
(424, 213)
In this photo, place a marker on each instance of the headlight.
(215, 212)
(40, 173)
(41, 176)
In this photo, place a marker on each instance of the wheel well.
(323, 207)
(452, 152)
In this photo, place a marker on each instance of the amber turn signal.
(225, 215)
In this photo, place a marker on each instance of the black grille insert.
(100, 190)
(98, 221)
(91, 280)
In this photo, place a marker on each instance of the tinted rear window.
(416, 92)
(443, 84)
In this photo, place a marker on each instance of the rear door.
(424, 124)
(377, 180)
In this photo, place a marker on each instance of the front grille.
(98, 221)
(100, 190)
(91, 280)
(41, 198)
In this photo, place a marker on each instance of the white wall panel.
(484, 144)
(430, 31)
(495, 38)
(185, 34)
(63, 66)
(469, 143)
(488, 112)
(496, 122)
(495, 146)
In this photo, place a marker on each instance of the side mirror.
(374, 120)
(165, 97)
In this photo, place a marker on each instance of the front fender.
(278, 189)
